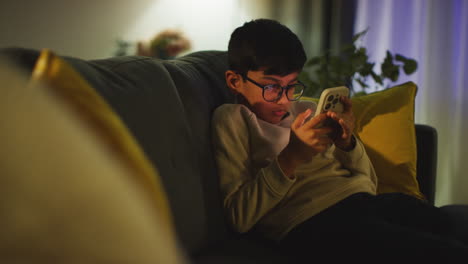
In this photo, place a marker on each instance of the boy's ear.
(233, 80)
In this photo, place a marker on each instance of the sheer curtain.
(434, 32)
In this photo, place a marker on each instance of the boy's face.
(272, 112)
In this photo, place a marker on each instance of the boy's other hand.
(307, 140)
(347, 122)
(311, 133)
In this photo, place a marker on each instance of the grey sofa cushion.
(199, 79)
(167, 106)
(142, 92)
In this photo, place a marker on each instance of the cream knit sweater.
(255, 190)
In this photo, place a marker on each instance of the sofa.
(166, 106)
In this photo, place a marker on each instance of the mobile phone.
(330, 100)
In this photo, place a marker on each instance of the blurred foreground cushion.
(68, 193)
(70, 87)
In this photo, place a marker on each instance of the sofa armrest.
(426, 140)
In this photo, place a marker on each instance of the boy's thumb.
(300, 119)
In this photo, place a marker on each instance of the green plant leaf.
(348, 49)
(377, 78)
(393, 73)
(401, 58)
(305, 79)
(359, 35)
(410, 66)
(366, 69)
(362, 83)
(359, 58)
(313, 61)
(350, 66)
(389, 69)
(388, 59)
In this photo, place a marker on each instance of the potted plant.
(350, 66)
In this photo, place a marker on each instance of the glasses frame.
(283, 88)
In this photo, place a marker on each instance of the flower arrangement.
(165, 45)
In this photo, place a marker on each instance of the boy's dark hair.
(264, 43)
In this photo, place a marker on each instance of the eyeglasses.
(273, 92)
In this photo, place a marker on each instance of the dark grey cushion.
(167, 106)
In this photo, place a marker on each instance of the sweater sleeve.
(357, 161)
(248, 194)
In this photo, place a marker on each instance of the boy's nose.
(283, 99)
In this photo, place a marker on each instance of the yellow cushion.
(385, 124)
(73, 90)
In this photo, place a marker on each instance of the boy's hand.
(311, 136)
(346, 121)
(306, 141)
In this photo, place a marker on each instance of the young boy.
(285, 177)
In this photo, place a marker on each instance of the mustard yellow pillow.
(385, 124)
(73, 90)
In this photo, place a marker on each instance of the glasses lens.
(271, 92)
(295, 91)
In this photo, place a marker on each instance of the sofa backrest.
(167, 105)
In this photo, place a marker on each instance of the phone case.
(330, 100)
